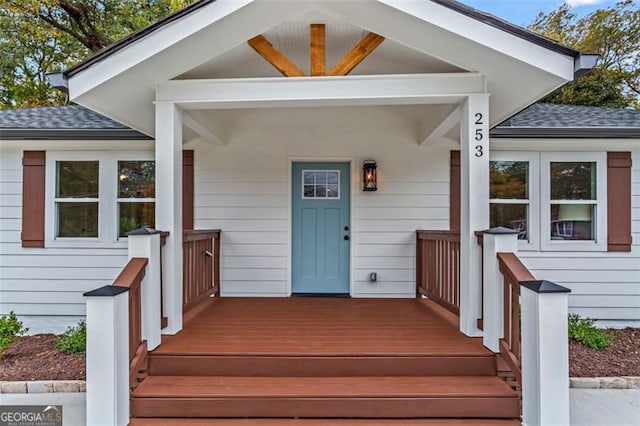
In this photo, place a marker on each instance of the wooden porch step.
(319, 422)
(319, 397)
(332, 366)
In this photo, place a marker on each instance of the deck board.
(320, 326)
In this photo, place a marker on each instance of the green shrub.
(584, 331)
(10, 329)
(74, 340)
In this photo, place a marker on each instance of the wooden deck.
(320, 326)
(323, 358)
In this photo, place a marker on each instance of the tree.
(612, 33)
(42, 36)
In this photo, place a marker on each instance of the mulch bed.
(37, 358)
(622, 358)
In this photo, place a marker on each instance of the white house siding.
(243, 189)
(605, 286)
(44, 286)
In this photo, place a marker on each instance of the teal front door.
(321, 225)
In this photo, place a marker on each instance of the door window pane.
(321, 184)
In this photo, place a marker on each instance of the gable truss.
(317, 53)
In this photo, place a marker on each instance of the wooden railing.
(438, 267)
(201, 266)
(131, 278)
(514, 273)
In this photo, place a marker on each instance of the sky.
(523, 12)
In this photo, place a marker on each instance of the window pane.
(321, 191)
(573, 180)
(134, 215)
(332, 177)
(308, 191)
(76, 179)
(509, 180)
(573, 222)
(321, 178)
(136, 179)
(332, 191)
(77, 220)
(512, 216)
(309, 178)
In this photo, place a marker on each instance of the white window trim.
(107, 192)
(533, 158)
(600, 243)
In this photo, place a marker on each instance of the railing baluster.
(438, 267)
(201, 257)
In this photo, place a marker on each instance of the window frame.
(325, 198)
(533, 158)
(107, 197)
(600, 243)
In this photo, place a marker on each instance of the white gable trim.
(220, 18)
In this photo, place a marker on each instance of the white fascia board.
(224, 24)
(483, 34)
(411, 89)
(565, 145)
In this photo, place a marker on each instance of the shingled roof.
(62, 122)
(553, 120)
(539, 120)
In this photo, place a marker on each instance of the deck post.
(169, 207)
(145, 242)
(108, 355)
(474, 206)
(545, 353)
(494, 241)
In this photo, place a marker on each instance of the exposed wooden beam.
(275, 57)
(443, 128)
(318, 49)
(356, 55)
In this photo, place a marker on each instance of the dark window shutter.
(454, 191)
(33, 196)
(187, 189)
(619, 201)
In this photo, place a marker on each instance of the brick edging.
(44, 386)
(629, 382)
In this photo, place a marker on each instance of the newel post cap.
(500, 230)
(106, 291)
(144, 230)
(544, 286)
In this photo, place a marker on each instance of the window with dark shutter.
(33, 198)
(619, 201)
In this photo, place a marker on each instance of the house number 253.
(479, 134)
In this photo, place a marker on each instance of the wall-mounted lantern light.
(369, 176)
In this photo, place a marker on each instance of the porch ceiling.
(421, 36)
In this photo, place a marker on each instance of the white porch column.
(145, 242)
(108, 356)
(494, 241)
(474, 204)
(545, 353)
(169, 207)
